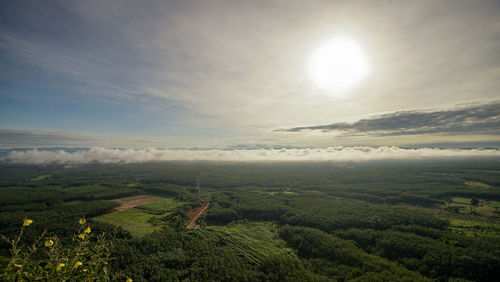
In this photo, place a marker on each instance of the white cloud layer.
(334, 154)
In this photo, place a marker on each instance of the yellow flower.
(82, 221)
(49, 243)
(85, 270)
(27, 222)
(129, 280)
(77, 264)
(81, 236)
(60, 266)
(87, 230)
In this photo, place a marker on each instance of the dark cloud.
(473, 119)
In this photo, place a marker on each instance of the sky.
(234, 74)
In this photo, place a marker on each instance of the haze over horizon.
(237, 74)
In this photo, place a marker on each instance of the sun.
(339, 64)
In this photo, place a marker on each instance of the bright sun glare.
(339, 64)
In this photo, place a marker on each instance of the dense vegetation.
(374, 221)
(86, 258)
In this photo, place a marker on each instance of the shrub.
(85, 259)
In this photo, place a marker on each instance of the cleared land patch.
(138, 213)
(135, 221)
(482, 202)
(477, 184)
(485, 208)
(281, 192)
(163, 206)
(253, 241)
(461, 200)
(475, 228)
(40, 177)
(130, 202)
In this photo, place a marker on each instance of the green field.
(475, 228)
(252, 240)
(139, 220)
(40, 177)
(466, 201)
(281, 192)
(477, 184)
(461, 200)
(161, 207)
(136, 221)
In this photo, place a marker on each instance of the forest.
(432, 220)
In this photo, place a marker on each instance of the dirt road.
(192, 223)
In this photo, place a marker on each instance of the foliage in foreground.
(85, 259)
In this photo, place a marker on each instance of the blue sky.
(214, 74)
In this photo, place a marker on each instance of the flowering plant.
(85, 259)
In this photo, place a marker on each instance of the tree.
(474, 201)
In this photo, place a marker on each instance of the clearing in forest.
(253, 241)
(40, 177)
(477, 184)
(475, 228)
(141, 215)
(130, 202)
(135, 221)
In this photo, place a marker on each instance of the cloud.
(36, 138)
(12, 139)
(334, 154)
(196, 55)
(472, 119)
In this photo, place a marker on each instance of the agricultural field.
(486, 208)
(161, 207)
(254, 241)
(477, 184)
(40, 177)
(135, 221)
(475, 228)
(142, 219)
(131, 202)
(481, 202)
(281, 192)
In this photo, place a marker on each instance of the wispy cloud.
(476, 119)
(242, 65)
(333, 154)
(11, 139)
(37, 138)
